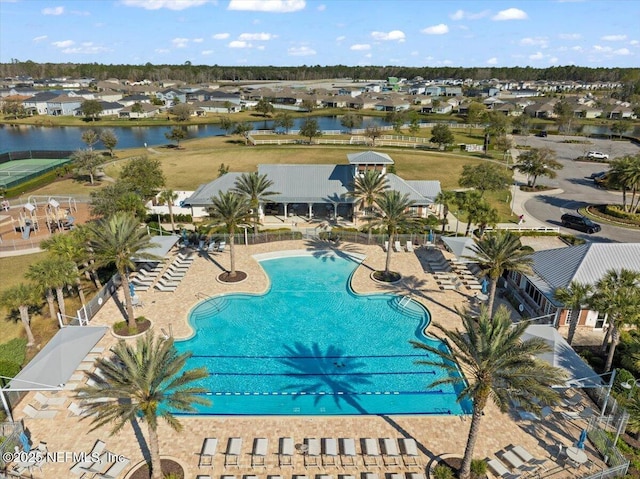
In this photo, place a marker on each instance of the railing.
(543, 229)
(617, 471)
(10, 432)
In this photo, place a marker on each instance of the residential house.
(109, 108)
(172, 96)
(148, 111)
(64, 105)
(133, 99)
(37, 104)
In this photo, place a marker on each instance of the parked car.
(597, 155)
(579, 223)
(542, 134)
(597, 174)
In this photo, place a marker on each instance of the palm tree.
(168, 197)
(71, 247)
(466, 201)
(54, 273)
(231, 210)
(117, 240)
(618, 296)
(500, 365)
(498, 252)
(366, 188)
(19, 298)
(146, 382)
(445, 198)
(255, 188)
(395, 213)
(573, 297)
(43, 273)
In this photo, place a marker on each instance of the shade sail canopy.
(160, 246)
(52, 367)
(579, 373)
(461, 247)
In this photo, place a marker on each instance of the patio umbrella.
(583, 438)
(132, 289)
(485, 285)
(24, 440)
(430, 236)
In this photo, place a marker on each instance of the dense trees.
(626, 172)
(485, 177)
(143, 175)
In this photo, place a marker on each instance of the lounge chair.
(34, 413)
(82, 467)
(207, 452)
(516, 462)
(390, 454)
(222, 246)
(527, 457)
(329, 451)
(574, 400)
(397, 246)
(232, 456)
(47, 401)
(409, 247)
(285, 452)
(348, 452)
(370, 451)
(409, 451)
(76, 410)
(167, 282)
(313, 452)
(259, 452)
(386, 246)
(586, 413)
(165, 289)
(114, 470)
(501, 470)
(207, 476)
(173, 275)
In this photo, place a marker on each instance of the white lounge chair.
(409, 451)
(222, 246)
(232, 456)
(114, 470)
(48, 401)
(259, 452)
(165, 289)
(409, 247)
(285, 452)
(313, 452)
(501, 470)
(370, 451)
(397, 246)
(329, 451)
(390, 456)
(348, 452)
(34, 413)
(527, 457)
(207, 452)
(76, 409)
(386, 246)
(586, 413)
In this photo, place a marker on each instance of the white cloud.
(206, 52)
(463, 15)
(634, 42)
(553, 60)
(301, 51)
(613, 38)
(169, 4)
(198, 40)
(276, 6)
(260, 47)
(340, 38)
(510, 14)
(40, 38)
(86, 48)
(536, 56)
(457, 15)
(622, 51)
(360, 47)
(492, 61)
(220, 36)
(393, 35)
(63, 44)
(537, 41)
(321, 8)
(602, 49)
(53, 11)
(239, 44)
(577, 48)
(368, 55)
(80, 13)
(439, 29)
(570, 36)
(162, 50)
(258, 37)
(180, 42)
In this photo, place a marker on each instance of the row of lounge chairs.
(519, 460)
(325, 452)
(397, 246)
(174, 274)
(108, 465)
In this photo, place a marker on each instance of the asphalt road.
(578, 189)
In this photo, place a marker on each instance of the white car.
(597, 155)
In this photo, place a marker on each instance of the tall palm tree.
(498, 252)
(445, 198)
(394, 213)
(43, 274)
(573, 297)
(19, 298)
(255, 188)
(146, 382)
(366, 188)
(617, 294)
(168, 197)
(54, 273)
(466, 201)
(117, 240)
(231, 210)
(500, 366)
(71, 247)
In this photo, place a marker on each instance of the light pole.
(630, 385)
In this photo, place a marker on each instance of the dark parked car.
(579, 223)
(542, 134)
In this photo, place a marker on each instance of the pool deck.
(435, 435)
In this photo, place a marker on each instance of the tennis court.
(14, 172)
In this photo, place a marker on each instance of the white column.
(310, 210)
(335, 211)
(285, 211)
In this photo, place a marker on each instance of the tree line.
(190, 73)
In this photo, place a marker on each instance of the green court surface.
(14, 172)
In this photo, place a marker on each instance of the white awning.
(160, 246)
(460, 247)
(52, 367)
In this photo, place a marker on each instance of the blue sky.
(537, 33)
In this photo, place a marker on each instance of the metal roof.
(369, 158)
(202, 196)
(309, 183)
(415, 188)
(426, 188)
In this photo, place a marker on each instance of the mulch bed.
(236, 278)
(390, 277)
(168, 467)
(142, 326)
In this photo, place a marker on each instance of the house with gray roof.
(321, 191)
(556, 268)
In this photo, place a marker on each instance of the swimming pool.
(311, 346)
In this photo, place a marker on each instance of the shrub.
(617, 212)
(14, 351)
(442, 471)
(622, 376)
(8, 369)
(478, 468)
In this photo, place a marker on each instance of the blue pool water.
(310, 346)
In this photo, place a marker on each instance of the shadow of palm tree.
(329, 250)
(331, 372)
(417, 288)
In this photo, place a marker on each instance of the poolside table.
(577, 455)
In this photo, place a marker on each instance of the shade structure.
(579, 374)
(460, 247)
(52, 367)
(160, 246)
